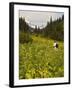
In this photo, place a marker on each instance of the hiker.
(55, 45)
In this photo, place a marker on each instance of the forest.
(37, 57)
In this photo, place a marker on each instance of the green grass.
(40, 60)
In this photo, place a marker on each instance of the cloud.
(38, 17)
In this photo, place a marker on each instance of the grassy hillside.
(38, 59)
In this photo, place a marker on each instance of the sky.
(39, 18)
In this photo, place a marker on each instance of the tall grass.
(40, 60)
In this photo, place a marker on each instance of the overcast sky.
(39, 18)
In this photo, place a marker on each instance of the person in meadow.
(55, 45)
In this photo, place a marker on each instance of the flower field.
(38, 59)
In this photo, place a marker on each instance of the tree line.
(53, 29)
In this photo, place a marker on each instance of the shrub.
(25, 37)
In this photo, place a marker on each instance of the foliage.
(23, 26)
(40, 60)
(37, 57)
(55, 29)
(24, 37)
